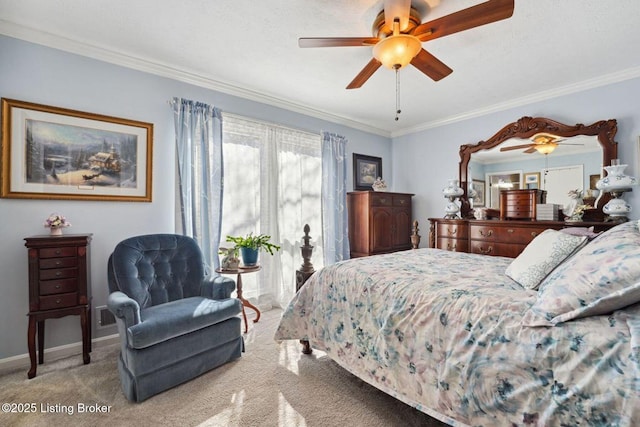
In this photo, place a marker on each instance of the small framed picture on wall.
(365, 171)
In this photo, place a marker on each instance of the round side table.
(245, 302)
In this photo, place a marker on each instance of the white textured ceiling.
(249, 48)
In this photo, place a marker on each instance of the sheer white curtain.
(334, 198)
(198, 128)
(272, 179)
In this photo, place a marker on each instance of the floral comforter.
(442, 332)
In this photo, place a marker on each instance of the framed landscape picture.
(56, 153)
(365, 171)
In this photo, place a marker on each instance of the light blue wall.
(34, 73)
(419, 163)
(423, 161)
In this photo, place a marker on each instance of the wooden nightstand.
(58, 286)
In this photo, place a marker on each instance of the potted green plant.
(250, 245)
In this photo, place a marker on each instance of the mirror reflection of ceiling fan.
(542, 142)
(398, 35)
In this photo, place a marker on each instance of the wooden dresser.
(495, 237)
(379, 222)
(58, 286)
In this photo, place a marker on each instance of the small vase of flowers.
(55, 223)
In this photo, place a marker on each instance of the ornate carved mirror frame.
(525, 128)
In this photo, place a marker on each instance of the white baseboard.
(23, 360)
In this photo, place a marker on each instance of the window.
(272, 185)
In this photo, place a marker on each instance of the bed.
(550, 338)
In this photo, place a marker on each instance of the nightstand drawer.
(58, 273)
(58, 301)
(58, 286)
(57, 252)
(58, 262)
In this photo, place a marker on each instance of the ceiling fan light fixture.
(397, 51)
(546, 148)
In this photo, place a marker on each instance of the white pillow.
(541, 256)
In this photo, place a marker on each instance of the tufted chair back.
(156, 268)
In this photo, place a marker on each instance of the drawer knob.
(402, 201)
(451, 247)
(57, 286)
(383, 200)
(58, 252)
(58, 263)
(58, 273)
(534, 234)
(58, 301)
(452, 231)
(510, 230)
(489, 233)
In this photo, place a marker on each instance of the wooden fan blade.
(397, 9)
(517, 147)
(336, 41)
(474, 16)
(430, 65)
(364, 75)
(531, 150)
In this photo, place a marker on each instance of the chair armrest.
(219, 287)
(124, 308)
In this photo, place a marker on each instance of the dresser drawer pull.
(452, 231)
(534, 234)
(58, 263)
(58, 251)
(451, 247)
(57, 286)
(489, 233)
(510, 230)
(383, 200)
(402, 201)
(486, 251)
(58, 301)
(58, 273)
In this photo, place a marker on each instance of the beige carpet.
(271, 385)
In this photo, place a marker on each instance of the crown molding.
(54, 41)
(32, 35)
(616, 77)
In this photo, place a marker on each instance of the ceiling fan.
(398, 35)
(542, 142)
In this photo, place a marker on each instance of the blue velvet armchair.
(174, 323)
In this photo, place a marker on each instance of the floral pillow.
(602, 277)
(541, 256)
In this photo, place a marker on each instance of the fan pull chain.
(398, 111)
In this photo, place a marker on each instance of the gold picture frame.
(57, 153)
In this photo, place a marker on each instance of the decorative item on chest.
(56, 222)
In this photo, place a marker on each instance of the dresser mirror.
(509, 160)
